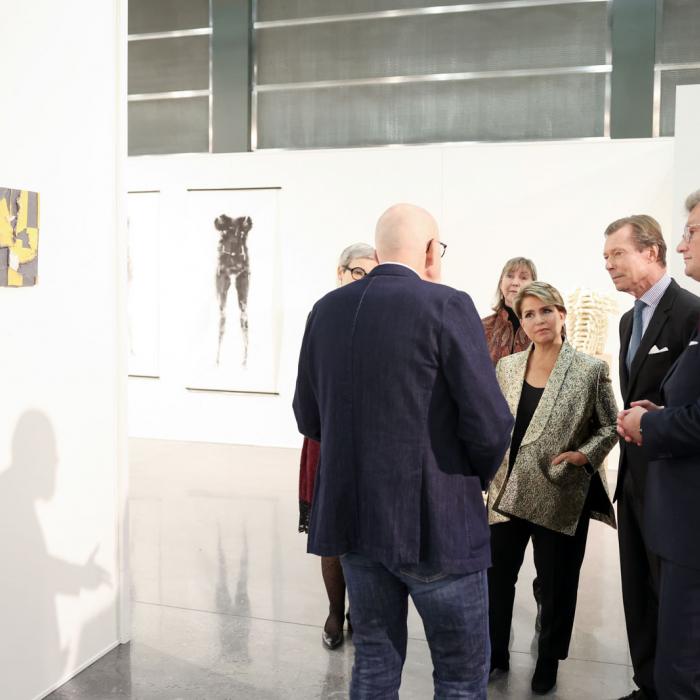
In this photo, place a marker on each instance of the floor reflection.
(234, 634)
(229, 605)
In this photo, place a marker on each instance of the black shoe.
(545, 676)
(332, 635)
(635, 695)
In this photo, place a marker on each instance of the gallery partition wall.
(62, 415)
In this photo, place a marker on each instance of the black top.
(529, 399)
(513, 318)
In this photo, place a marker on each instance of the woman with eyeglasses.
(355, 262)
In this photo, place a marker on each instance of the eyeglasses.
(689, 230)
(443, 247)
(357, 273)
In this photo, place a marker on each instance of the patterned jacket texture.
(501, 337)
(577, 412)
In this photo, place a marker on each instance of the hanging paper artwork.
(232, 307)
(19, 237)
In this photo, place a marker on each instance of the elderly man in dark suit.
(652, 336)
(670, 438)
(396, 383)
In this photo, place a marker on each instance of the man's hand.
(577, 458)
(646, 404)
(629, 421)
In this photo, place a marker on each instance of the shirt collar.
(653, 295)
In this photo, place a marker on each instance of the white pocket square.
(656, 351)
(693, 342)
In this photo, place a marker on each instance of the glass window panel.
(678, 39)
(164, 65)
(669, 80)
(540, 37)
(146, 16)
(553, 107)
(169, 126)
(269, 10)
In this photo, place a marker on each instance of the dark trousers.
(453, 610)
(677, 669)
(639, 569)
(558, 560)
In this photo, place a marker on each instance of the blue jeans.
(454, 610)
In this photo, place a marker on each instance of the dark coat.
(671, 441)
(672, 326)
(396, 382)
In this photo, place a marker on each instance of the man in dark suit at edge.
(670, 437)
(396, 383)
(652, 336)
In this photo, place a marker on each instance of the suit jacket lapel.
(550, 394)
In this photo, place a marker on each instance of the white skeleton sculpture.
(587, 320)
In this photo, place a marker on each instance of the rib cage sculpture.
(587, 320)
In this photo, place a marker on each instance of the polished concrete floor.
(227, 604)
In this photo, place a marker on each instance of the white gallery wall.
(62, 395)
(548, 201)
(686, 158)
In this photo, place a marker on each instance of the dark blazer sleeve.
(484, 420)
(672, 432)
(305, 405)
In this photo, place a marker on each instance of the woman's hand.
(577, 458)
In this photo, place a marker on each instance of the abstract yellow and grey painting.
(19, 237)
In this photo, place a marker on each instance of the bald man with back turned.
(396, 383)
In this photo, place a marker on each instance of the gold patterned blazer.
(577, 412)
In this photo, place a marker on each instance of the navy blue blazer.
(671, 326)
(671, 439)
(396, 383)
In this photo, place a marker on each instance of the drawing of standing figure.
(233, 262)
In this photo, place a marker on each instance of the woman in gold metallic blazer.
(552, 479)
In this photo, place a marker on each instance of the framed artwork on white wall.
(143, 256)
(232, 299)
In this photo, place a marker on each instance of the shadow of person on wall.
(33, 654)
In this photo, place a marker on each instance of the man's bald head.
(403, 234)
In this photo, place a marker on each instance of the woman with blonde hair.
(504, 334)
(552, 480)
